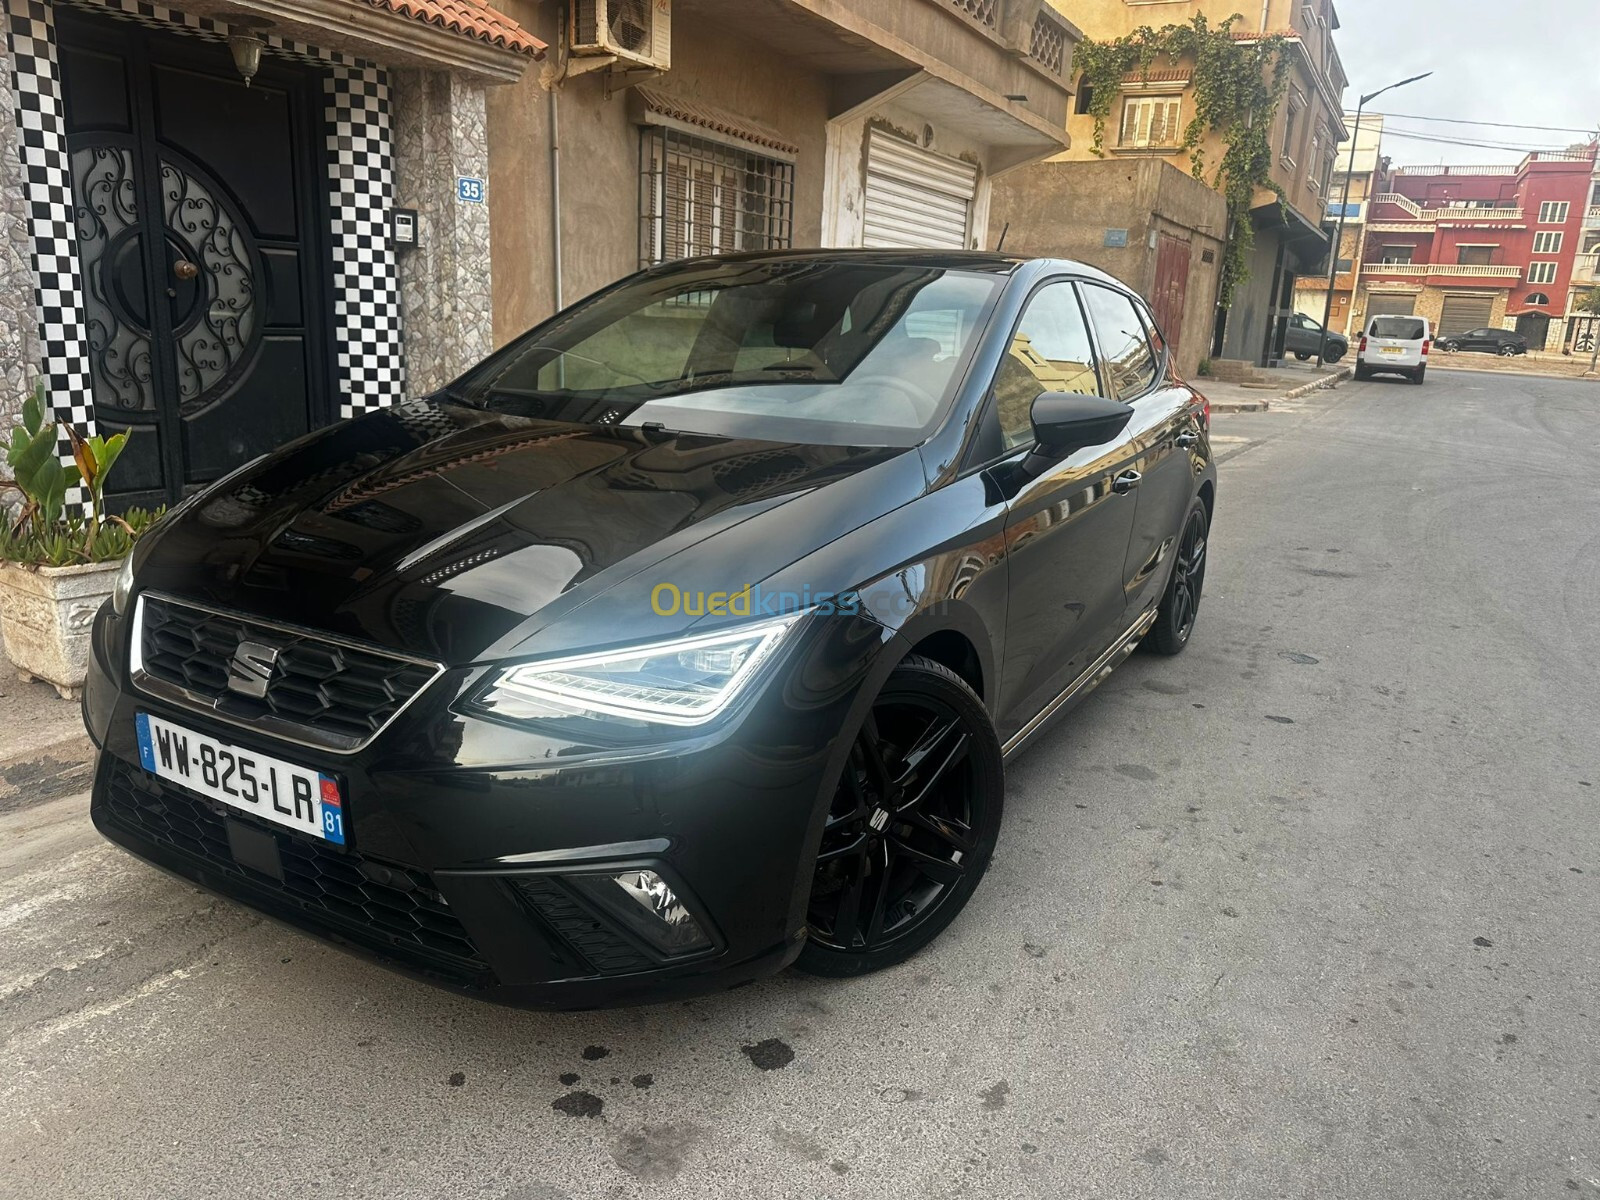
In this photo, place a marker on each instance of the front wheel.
(1302, 355)
(1509, 352)
(1181, 603)
(1333, 356)
(912, 825)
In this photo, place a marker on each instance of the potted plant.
(56, 566)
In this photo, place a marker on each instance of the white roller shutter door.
(914, 197)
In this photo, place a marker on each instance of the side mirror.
(1064, 422)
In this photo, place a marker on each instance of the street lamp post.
(1344, 204)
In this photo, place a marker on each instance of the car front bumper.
(464, 836)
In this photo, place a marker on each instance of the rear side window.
(1125, 349)
(1407, 329)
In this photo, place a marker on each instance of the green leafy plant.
(1204, 369)
(1237, 87)
(44, 533)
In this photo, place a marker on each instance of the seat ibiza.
(683, 639)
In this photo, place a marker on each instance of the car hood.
(458, 534)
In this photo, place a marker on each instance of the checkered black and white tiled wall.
(366, 283)
(360, 177)
(47, 181)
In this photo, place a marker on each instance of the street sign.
(1116, 237)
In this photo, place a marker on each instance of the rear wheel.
(1333, 355)
(1420, 375)
(1181, 604)
(912, 825)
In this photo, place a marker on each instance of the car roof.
(988, 261)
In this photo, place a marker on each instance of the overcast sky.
(1532, 62)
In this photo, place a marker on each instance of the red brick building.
(1469, 247)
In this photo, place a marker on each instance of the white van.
(1394, 344)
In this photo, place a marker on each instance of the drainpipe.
(1266, 11)
(555, 195)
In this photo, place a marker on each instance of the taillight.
(1362, 349)
(1426, 342)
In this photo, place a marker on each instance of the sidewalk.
(1539, 362)
(1277, 383)
(44, 751)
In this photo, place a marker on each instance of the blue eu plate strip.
(147, 750)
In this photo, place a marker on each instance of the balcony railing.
(1593, 217)
(1459, 213)
(1458, 270)
(1047, 42)
(1586, 268)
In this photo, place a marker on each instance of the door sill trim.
(1096, 671)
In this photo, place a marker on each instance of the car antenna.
(1000, 245)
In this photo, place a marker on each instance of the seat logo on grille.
(251, 668)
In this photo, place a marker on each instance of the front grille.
(328, 692)
(368, 900)
(606, 950)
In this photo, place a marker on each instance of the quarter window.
(1553, 212)
(1050, 352)
(1124, 348)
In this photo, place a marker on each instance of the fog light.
(647, 905)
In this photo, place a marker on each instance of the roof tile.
(469, 18)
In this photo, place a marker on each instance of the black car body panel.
(469, 539)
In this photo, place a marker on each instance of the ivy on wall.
(1237, 87)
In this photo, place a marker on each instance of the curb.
(1305, 389)
(46, 773)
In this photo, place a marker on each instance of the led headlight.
(687, 681)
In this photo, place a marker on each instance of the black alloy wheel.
(1509, 351)
(1334, 354)
(1181, 604)
(912, 825)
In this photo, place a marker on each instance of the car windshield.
(831, 353)
(1407, 329)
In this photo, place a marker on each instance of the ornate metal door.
(197, 208)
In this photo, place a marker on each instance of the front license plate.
(1392, 350)
(274, 790)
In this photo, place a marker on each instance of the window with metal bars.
(698, 196)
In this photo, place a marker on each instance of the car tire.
(1180, 603)
(1420, 374)
(1333, 356)
(1509, 352)
(911, 827)
(1302, 355)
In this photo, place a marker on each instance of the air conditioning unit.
(638, 32)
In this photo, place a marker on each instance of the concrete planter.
(45, 617)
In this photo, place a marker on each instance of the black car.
(1303, 337)
(684, 638)
(1486, 341)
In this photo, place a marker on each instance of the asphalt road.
(1312, 910)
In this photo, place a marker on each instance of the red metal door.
(1171, 282)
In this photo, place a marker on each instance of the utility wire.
(1468, 142)
(1496, 124)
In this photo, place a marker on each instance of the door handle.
(184, 269)
(1184, 440)
(1126, 482)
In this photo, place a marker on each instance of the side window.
(1128, 358)
(1050, 352)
